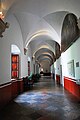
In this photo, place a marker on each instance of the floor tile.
(45, 101)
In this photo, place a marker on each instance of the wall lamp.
(3, 26)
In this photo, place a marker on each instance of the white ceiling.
(41, 20)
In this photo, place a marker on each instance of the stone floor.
(45, 101)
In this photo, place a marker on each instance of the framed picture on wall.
(71, 70)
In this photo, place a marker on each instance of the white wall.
(71, 54)
(30, 59)
(51, 68)
(57, 66)
(12, 35)
(32, 62)
(46, 66)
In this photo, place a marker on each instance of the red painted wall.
(14, 88)
(17, 87)
(10, 90)
(5, 94)
(72, 87)
(20, 86)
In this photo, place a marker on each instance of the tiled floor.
(46, 101)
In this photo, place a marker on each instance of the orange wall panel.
(20, 86)
(10, 90)
(14, 88)
(5, 94)
(71, 86)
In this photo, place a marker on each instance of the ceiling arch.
(56, 20)
(45, 56)
(41, 22)
(44, 50)
(44, 33)
(44, 53)
(39, 18)
(42, 43)
(40, 7)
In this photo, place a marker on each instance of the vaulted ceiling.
(41, 23)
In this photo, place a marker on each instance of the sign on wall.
(71, 71)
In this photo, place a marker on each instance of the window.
(15, 66)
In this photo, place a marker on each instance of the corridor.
(44, 101)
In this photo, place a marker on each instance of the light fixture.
(1, 15)
(3, 25)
